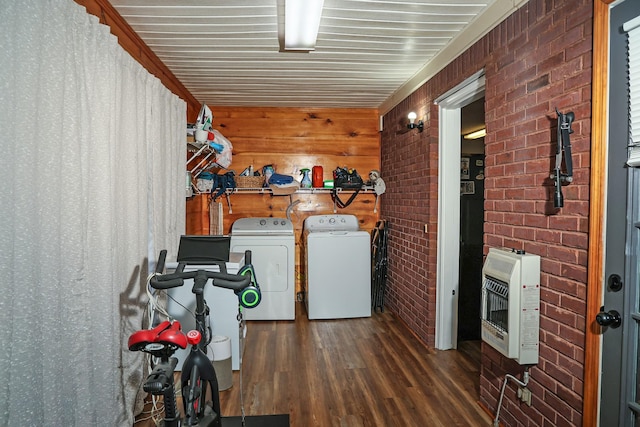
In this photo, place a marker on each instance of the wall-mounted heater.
(511, 304)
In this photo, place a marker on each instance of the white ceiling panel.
(227, 52)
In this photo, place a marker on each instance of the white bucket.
(221, 354)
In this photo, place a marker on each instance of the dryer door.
(274, 266)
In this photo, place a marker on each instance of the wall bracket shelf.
(197, 150)
(266, 190)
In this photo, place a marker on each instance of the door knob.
(608, 318)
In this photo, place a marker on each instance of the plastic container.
(221, 348)
(201, 135)
(316, 177)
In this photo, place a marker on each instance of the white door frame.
(449, 152)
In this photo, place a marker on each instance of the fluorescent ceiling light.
(301, 24)
(477, 134)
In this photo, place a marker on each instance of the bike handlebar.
(222, 280)
(161, 259)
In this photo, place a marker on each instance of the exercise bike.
(198, 376)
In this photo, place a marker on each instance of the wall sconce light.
(477, 134)
(412, 122)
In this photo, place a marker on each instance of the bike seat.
(166, 333)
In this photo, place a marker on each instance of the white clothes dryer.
(338, 267)
(273, 247)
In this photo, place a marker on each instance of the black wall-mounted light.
(412, 122)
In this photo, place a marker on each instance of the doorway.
(471, 220)
(448, 252)
(619, 365)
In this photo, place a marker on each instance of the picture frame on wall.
(464, 167)
(467, 187)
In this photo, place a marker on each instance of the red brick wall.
(537, 59)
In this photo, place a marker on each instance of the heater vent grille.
(497, 302)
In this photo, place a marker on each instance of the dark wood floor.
(354, 372)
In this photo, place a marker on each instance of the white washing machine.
(338, 267)
(273, 247)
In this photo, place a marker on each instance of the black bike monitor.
(203, 249)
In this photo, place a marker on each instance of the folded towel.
(284, 189)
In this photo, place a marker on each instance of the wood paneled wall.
(291, 139)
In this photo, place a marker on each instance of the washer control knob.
(332, 220)
(263, 222)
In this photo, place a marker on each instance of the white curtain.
(91, 188)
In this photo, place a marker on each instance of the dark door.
(619, 367)
(471, 241)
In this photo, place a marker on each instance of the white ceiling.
(369, 54)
